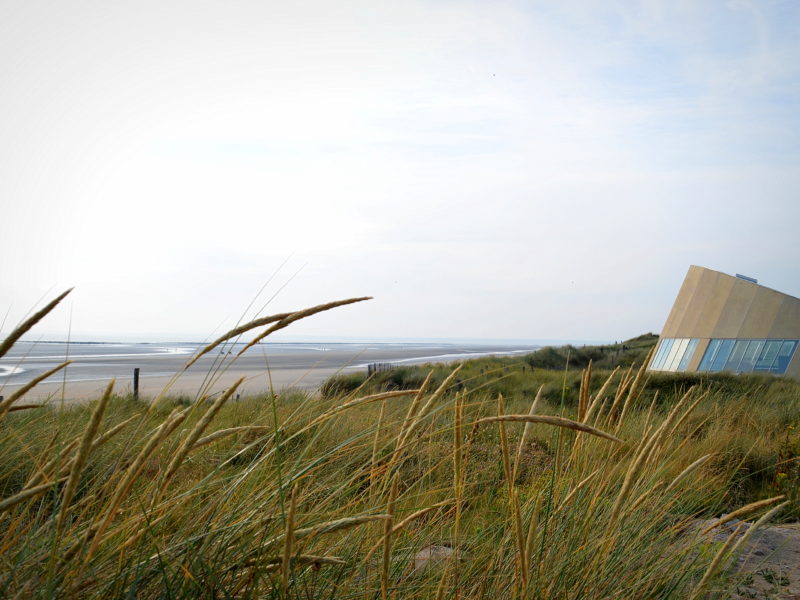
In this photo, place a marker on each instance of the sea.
(101, 361)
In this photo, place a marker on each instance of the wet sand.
(187, 384)
(277, 367)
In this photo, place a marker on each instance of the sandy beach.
(276, 366)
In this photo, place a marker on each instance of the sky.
(485, 170)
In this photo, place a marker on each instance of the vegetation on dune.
(533, 483)
(550, 358)
(606, 356)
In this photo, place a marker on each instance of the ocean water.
(100, 361)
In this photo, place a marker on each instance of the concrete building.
(725, 323)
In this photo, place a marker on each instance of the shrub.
(341, 385)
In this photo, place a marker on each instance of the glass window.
(687, 355)
(711, 351)
(736, 355)
(680, 349)
(744, 356)
(768, 354)
(722, 355)
(750, 355)
(663, 350)
(655, 363)
(784, 356)
(656, 354)
(676, 345)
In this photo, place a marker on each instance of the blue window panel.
(744, 356)
(722, 355)
(673, 346)
(655, 364)
(736, 355)
(680, 350)
(750, 356)
(654, 360)
(669, 356)
(667, 349)
(767, 355)
(773, 353)
(688, 354)
(709, 355)
(674, 355)
(784, 356)
(666, 346)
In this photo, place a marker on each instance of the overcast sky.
(484, 169)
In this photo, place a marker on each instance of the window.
(748, 356)
(722, 355)
(663, 349)
(768, 354)
(736, 355)
(673, 354)
(784, 356)
(687, 356)
(711, 352)
(677, 346)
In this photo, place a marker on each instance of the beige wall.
(761, 315)
(793, 370)
(685, 295)
(734, 314)
(711, 304)
(787, 321)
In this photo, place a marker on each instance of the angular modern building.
(725, 323)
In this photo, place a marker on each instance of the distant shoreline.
(289, 365)
(334, 342)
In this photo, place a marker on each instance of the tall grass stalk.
(581, 493)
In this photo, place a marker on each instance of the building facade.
(724, 323)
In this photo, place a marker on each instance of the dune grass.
(588, 493)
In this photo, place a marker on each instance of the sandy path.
(768, 567)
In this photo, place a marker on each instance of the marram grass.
(332, 497)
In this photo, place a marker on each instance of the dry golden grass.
(744, 511)
(288, 498)
(30, 323)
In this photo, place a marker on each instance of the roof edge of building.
(744, 281)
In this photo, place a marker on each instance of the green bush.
(340, 385)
